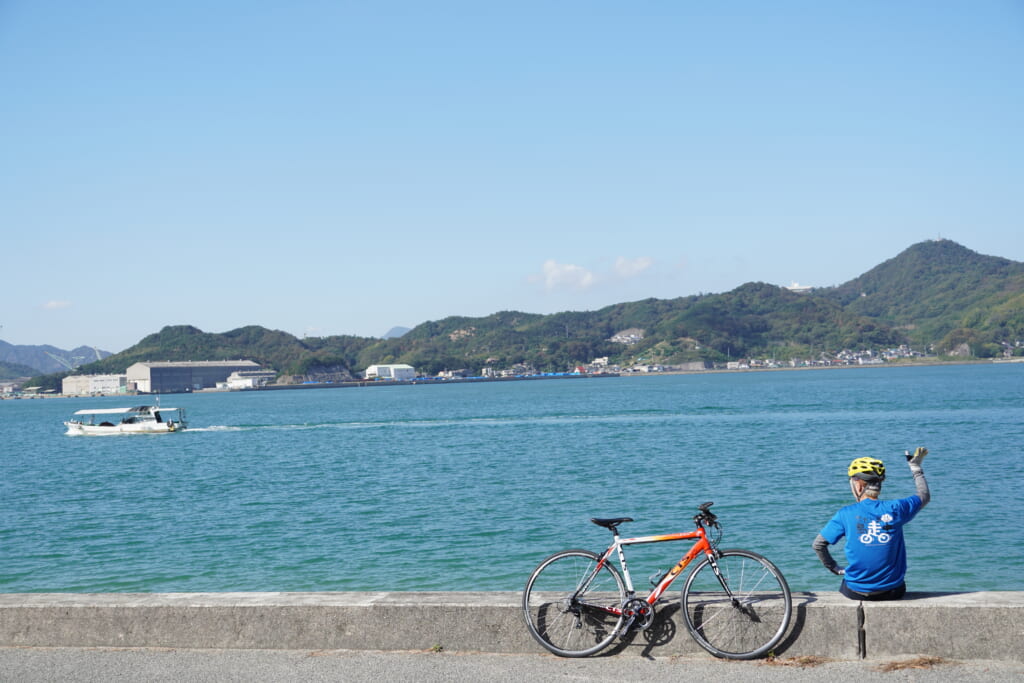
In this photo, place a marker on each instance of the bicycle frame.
(702, 545)
(735, 603)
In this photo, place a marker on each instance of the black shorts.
(890, 594)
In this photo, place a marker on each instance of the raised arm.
(920, 483)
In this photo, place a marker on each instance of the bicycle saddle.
(610, 523)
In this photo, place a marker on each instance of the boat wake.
(474, 422)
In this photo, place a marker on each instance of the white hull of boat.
(144, 428)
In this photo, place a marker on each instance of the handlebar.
(705, 516)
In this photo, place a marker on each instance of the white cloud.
(631, 267)
(565, 276)
(555, 275)
(56, 305)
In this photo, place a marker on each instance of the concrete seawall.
(954, 625)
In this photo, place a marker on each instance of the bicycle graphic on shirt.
(876, 532)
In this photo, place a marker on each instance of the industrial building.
(172, 377)
(88, 385)
(397, 371)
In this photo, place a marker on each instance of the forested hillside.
(936, 295)
(942, 293)
(270, 348)
(15, 370)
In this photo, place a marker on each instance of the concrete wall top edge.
(1012, 599)
(268, 599)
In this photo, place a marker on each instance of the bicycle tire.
(565, 620)
(753, 625)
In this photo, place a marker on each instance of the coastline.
(889, 365)
(546, 376)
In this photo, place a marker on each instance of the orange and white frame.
(701, 546)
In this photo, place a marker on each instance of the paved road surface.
(36, 665)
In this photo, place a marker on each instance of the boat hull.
(145, 428)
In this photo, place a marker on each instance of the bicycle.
(736, 604)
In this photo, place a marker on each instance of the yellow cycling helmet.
(868, 469)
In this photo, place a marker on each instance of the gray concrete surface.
(45, 665)
(958, 625)
(972, 626)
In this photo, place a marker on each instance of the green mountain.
(755, 318)
(942, 293)
(271, 348)
(935, 295)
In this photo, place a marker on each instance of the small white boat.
(138, 420)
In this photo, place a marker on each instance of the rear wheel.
(572, 608)
(750, 622)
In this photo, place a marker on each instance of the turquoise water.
(467, 487)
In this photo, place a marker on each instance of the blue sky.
(345, 167)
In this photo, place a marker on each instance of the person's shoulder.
(909, 503)
(909, 499)
(913, 501)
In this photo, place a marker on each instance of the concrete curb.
(959, 625)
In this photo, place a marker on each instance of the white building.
(397, 371)
(87, 385)
(249, 379)
(799, 288)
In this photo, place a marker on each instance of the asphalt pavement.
(143, 665)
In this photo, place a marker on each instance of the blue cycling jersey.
(876, 556)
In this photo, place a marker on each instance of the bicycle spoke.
(749, 622)
(568, 604)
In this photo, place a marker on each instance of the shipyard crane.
(61, 360)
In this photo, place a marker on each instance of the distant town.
(174, 377)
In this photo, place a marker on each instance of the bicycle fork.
(733, 600)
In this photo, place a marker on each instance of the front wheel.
(747, 621)
(572, 607)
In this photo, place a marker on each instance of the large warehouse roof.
(198, 363)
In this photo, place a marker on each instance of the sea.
(466, 487)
